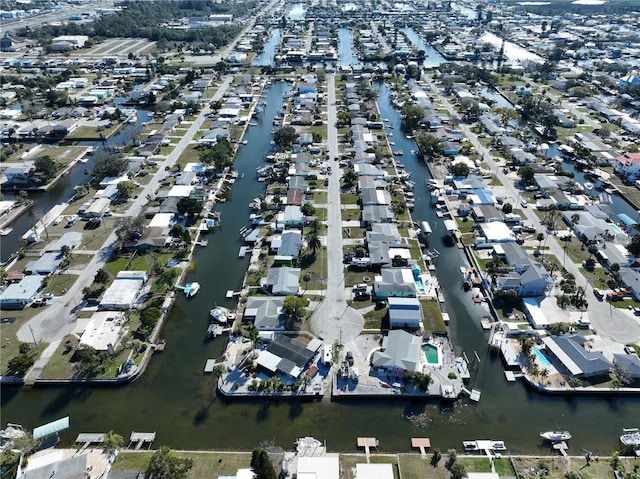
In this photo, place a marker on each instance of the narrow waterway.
(346, 52)
(433, 58)
(269, 49)
(176, 399)
(63, 190)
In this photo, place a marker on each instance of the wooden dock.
(138, 439)
(561, 447)
(422, 443)
(367, 443)
(85, 439)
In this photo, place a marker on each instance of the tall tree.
(112, 442)
(261, 465)
(165, 464)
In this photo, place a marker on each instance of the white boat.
(556, 436)
(191, 289)
(631, 437)
(220, 314)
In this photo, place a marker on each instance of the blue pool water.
(420, 285)
(431, 353)
(541, 357)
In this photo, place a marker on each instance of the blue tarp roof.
(51, 428)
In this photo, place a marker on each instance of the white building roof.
(161, 220)
(324, 467)
(103, 329)
(374, 471)
(180, 191)
(122, 293)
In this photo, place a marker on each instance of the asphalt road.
(59, 318)
(610, 323)
(334, 320)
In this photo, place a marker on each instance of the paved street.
(59, 319)
(333, 320)
(610, 323)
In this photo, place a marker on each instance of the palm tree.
(540, 237)
(306, 278)
(313, 241)
(250, 331)
(112, 442)
(592, 249)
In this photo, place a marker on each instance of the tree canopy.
(107, 164)
(412, 115)
(295, 306)
(165, 464)
(261, 465)
(285, 137)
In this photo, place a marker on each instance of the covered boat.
(555, 436)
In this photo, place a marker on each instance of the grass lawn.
(316, 266)
(351, 215)
(558, 467)
(190, 155)
(319, 130)
(354, 232)
(320, 197)
(349, 198)
(357, 276)
(205, 464)
(374, 319)
(59, 283)
(59, 365)
(432, 315)
(598, 277)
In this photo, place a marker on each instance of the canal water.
(63, 190)
(175, 399)
(270, 48)
(433, 58)
(346, 52)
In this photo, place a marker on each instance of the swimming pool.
(541, 357)
(420, 285)
(431, 353)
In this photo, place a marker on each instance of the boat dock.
(88, 438)
(243, 251)
(367, 443)
(422, 443)
(210, 365)
(474, 394)
(215, 330)
(138, 439)
(561, 447)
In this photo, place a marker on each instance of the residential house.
(18, 295)
(283, 281)
(395, 282)
(405, 313)
(628, 165)
(124, 290)
(628, 365)
(288, 356)
(400, 352)
(528, 280)
(570, 350)
(291, 217)
(376, 214)
(265, 313)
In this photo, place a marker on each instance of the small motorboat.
(498, 446)
(470, 445)
(220, 314)
(630, 437)
(191, 289)
(555, 436)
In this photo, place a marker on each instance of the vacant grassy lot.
(205, 464)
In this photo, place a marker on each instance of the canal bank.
(174, 386)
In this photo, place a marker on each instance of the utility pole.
(35, 343)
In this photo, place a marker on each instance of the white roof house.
(18, 295)
(161, 220)
(180, 191)
(123, 291)
(322, 467)
(104, 329)
(374, 471)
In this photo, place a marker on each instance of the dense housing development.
(360, 206)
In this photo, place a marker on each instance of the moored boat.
(630, 437)
(191, 289)
(556, 436)
(220, 314)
